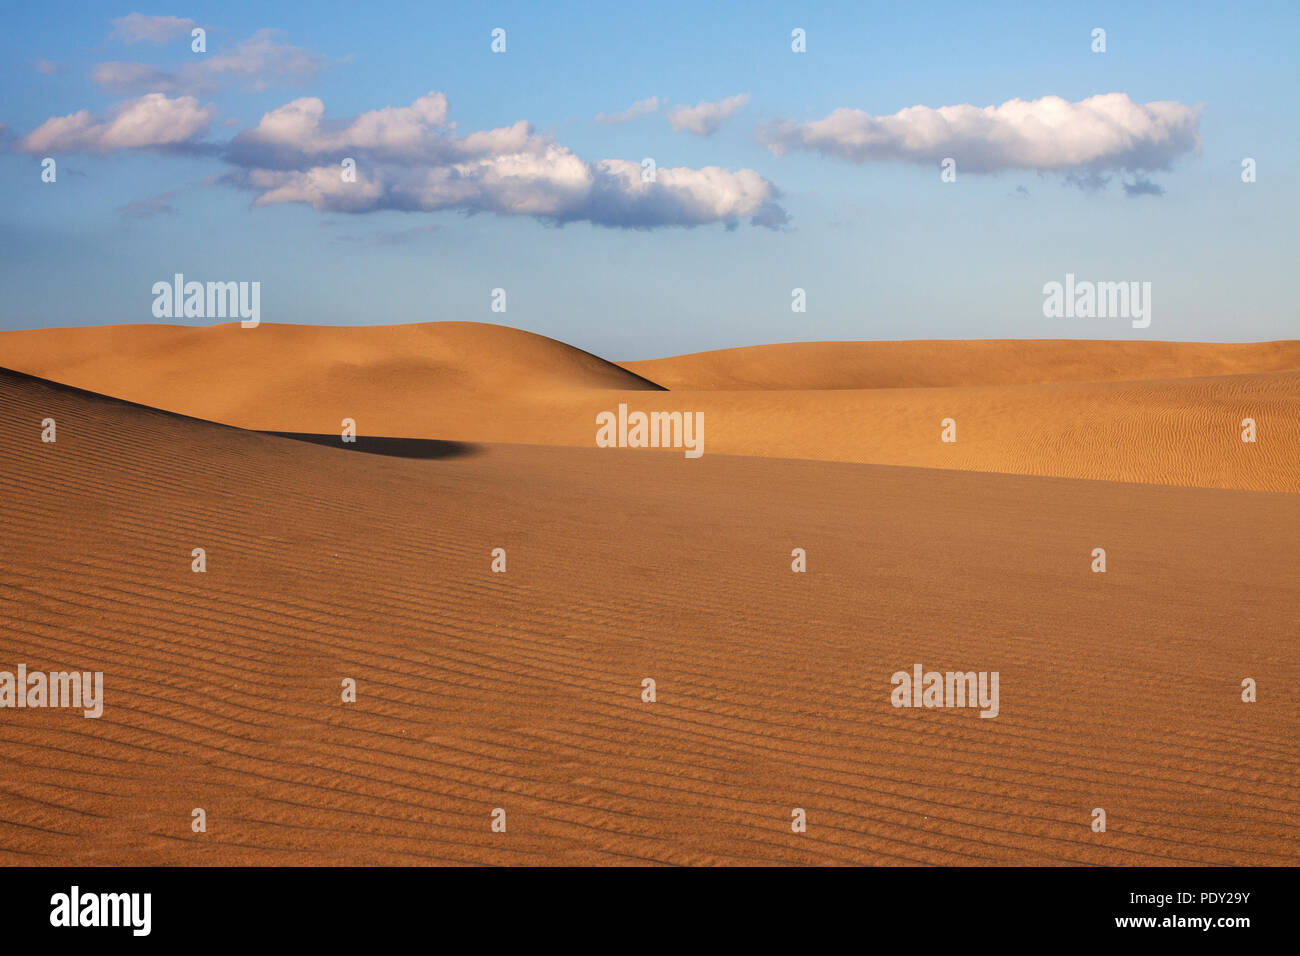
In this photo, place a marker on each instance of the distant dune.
(523, 690)
(805, 366)
(1153, 412)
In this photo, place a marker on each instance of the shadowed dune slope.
(937, 364)
(522, 690)
(473, 383)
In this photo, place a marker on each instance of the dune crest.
(228, 374)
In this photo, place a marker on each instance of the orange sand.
(1155, 412)
(522, 690)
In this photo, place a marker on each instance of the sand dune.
(1154, 412)
(522, 690)
(302, 378)
(938, 364)
(1174, 431)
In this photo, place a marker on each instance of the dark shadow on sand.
(392, 447)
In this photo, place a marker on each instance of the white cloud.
(637, 110)
(1107, 131)
(321, 187)
(294, 132)
(151, 121)
(682, 196)
(705, 118)
(410, 158)
(139, 28)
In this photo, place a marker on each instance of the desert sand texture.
(523, 690)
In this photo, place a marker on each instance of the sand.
(806, 366)
(522, 690)
(1133, 411)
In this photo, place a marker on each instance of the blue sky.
(883, 248)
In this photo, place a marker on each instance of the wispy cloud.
(257, 63)
(704, 119)
(637, 110)
(1143, 187)
(139, 28)
(145, 208)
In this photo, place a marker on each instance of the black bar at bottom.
(645, 908)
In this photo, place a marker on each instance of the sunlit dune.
(1154, 412)
(807, 366)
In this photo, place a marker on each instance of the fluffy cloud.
(294, 135)
(255, 63)
(679, 197)
(1108, 131)
(705, 118)
(410, 158)
(322, 187)
(149, 122)
(637, 110)
(139, 28)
